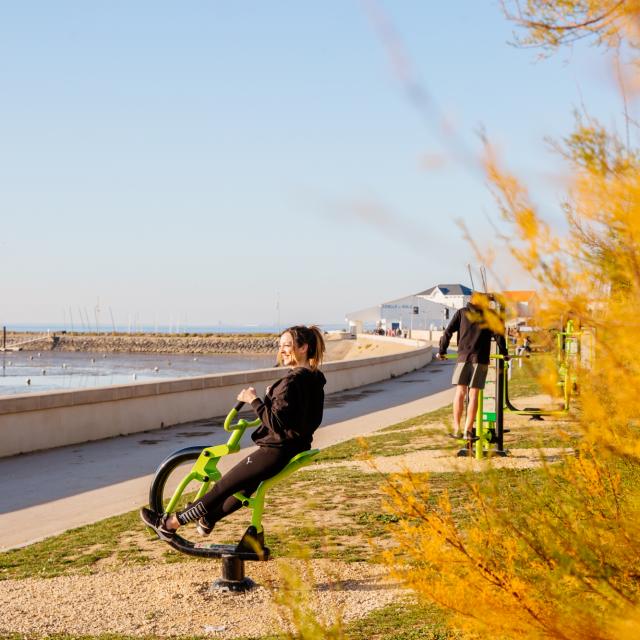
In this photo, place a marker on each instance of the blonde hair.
(311, 336)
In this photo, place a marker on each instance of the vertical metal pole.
(232, 568)
(411, 321)
(479, 430)
(4, 338)
(500, 382)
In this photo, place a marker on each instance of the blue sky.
(201, 160)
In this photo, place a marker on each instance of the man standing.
(474, 348)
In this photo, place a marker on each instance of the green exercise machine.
(569, 347)
(172, 491)
(488, 439)
(494, 401)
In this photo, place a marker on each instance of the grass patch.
(384, 443)
(525, 379)
(296, 514)
(541, 437)
(403, 621)
(348, 450)
(438, 416)
(74, 551)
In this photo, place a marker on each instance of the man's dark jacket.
(474, 340)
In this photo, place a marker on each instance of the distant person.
(470, 374)
(290, 413)
(523, 349)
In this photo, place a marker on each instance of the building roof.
(448, 290)
(519, 296)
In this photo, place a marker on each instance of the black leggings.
(245, 477)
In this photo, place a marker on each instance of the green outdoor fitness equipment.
(164, 498)
(489, 422)
(568, 354)
(494, 400)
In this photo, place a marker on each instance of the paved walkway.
(48, 492)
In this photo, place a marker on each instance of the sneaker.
(157, 522)
(203, 527)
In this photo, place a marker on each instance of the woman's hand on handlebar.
(247, 395)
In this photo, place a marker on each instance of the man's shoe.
(465, 436)
(157, 522)
(203, 527)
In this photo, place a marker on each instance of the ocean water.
(35, 372)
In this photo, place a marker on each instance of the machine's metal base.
(466, 453)
(535, 415)
(233, 578)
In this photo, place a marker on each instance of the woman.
(290, 413)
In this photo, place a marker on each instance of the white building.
(453, 295)
(427, 310)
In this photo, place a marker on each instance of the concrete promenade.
(48, 492)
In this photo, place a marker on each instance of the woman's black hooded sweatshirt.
(291, 410)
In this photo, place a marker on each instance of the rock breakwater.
(145, 343)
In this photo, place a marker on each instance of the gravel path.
(175, 599)
(442, 461)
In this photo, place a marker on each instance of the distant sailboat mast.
(473, 288)
(483, 275)
(113, 324)
(96, 313)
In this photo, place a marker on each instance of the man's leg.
(458, 407)
(472, 409)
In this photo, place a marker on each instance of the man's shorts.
(470, 374)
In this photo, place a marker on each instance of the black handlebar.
(239, 406)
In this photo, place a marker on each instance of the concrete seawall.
(43, 421)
